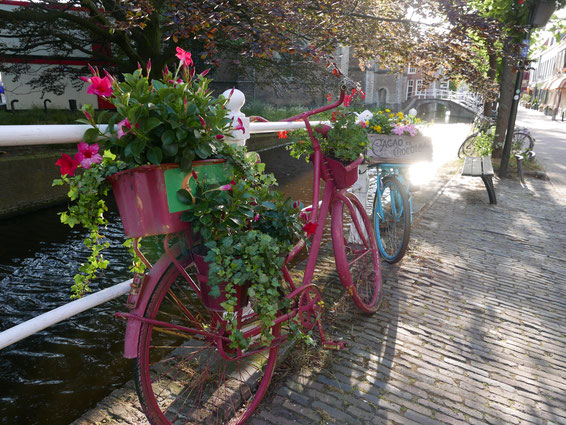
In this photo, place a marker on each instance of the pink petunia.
(88, 155)
(67, 164)
(398, 130)
(124, 127)
(99, 86)
(184, 57)
(240, 126)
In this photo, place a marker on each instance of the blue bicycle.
(392, 211)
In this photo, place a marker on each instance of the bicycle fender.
(146, 289)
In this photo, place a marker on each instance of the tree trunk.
(492, 74)
(506, 86)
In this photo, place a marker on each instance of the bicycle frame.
(387, 169)
(144, 287)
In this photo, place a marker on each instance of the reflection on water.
(56, 375)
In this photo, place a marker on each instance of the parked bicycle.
(392, 210)
(186, 370)
(522, 141)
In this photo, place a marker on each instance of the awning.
(558, 83)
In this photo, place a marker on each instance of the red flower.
(99, 86)
(282, 134)
(310, 228)
(88, 155)
(184, 57)
(347, 100)
(68, 165)
(329, 97)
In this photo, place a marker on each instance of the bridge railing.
(469, 100)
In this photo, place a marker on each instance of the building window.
(411, 70)
(443, 85)
(419, 86)
(410, 88)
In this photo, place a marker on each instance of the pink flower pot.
(209, 301)
(142, 202)
(338, 173)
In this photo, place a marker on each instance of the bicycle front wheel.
(356, 253)
(184, 373)
(392, 219)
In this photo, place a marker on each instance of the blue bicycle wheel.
(392, 219)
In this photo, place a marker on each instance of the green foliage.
(87, 190)
(169, 120)
(345, 141)
(248, 228)
(483, 144)
(255, 257)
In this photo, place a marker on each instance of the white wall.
(28, 97)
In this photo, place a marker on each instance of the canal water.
(53, 377)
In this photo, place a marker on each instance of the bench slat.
(487, 167)
(477, 166)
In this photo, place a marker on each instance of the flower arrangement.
(345, 140)
(171, 120)
(245, 226)
(387, 122)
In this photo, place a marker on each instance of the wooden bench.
(481, 167)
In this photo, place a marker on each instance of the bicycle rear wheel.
(357, 258)
(180, 373)
(522, 142)
(392, 219)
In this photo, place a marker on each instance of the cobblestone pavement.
(472, 329)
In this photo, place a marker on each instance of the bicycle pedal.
(334, 345)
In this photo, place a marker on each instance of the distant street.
(550, 145)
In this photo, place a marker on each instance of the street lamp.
(540, 13)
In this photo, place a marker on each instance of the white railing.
(468, 100)
(24, 135)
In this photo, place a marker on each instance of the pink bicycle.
(185, 370)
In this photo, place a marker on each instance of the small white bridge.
(469, 101)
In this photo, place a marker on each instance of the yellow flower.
(387, 110)
(400, 115)
(391, 115)
(377, 128)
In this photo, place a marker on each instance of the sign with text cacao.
(401, 148)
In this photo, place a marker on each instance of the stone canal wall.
(26, 180)
(26, 175)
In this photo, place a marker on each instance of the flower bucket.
(142, 202)
(214, 171)
(341, 177)
(147, 195)
(209, 301)
(384, 148)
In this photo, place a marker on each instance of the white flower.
(363, 116)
